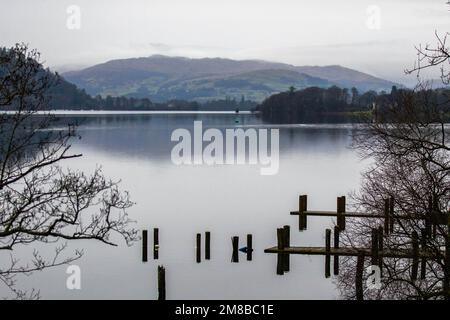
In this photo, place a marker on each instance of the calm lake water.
(227, 200)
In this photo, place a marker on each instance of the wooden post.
(249, 247)
(302, 207)
(359, 277)
(144, 245)
(435, 211)
(155, 243)
(415, 249)
(340, 210)
(336, 246)
(374, 249)
(447, 261)
(327, 252)
(207, 245)
(161, 283)
(386, 215)
(380, 248)
(199, 248)
(428, 216)
(423, 245)
(280, 256)
(235, 244)
(287, 243)
(391, 214)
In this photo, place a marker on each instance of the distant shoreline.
(100, 112)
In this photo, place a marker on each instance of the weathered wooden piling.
(415, 249)
(380, 247)
(374, 247)
(327, 252)
(446, 284)
(386, 216)
(428, 218)
(155, 243)
(144, 245)
(336, 246)
(161, 283)
(359, 277)
(340, 213)
(287, 243)
(391, 214)
(280, 246)
(199, 247)
(302, 208)
(434, 212)
(423, 261)
(249, 247)
(235, 244)
(207, 245)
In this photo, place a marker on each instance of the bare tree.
(409, 150)
(40, 202)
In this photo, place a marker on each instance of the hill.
(162, 78)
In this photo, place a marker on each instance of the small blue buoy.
(244, 249)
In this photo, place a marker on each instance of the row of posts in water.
(162, 271)
(248, 250)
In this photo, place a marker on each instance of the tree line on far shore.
(314, 103)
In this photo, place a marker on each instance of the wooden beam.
(386, 253)
(439, 218)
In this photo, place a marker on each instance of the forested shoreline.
(318, 104)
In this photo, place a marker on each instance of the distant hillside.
(162, 78)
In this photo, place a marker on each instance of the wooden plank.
(440, 218)
(386, 253)
(334, 214)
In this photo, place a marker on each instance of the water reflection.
(225, 200)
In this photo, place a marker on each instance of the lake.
(227, 200)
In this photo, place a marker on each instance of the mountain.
(162, 78)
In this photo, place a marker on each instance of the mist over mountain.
(161, 78)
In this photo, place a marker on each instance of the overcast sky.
(315, 32)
